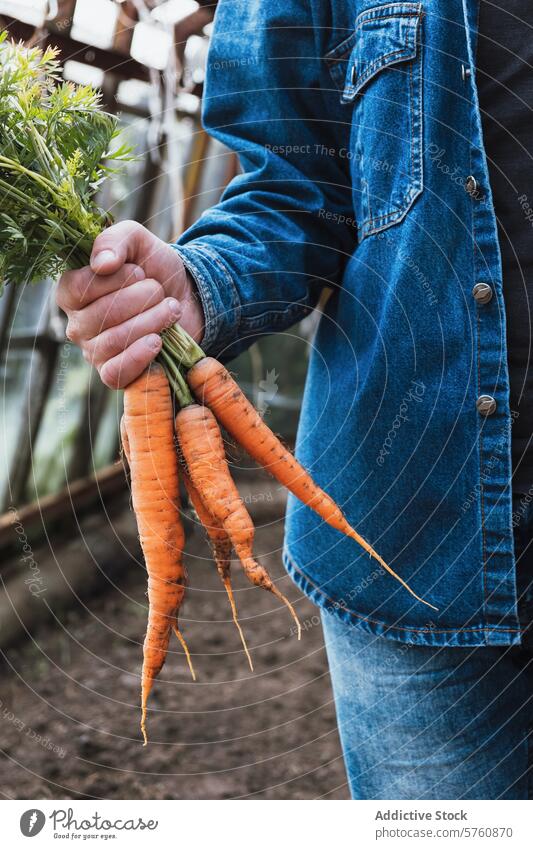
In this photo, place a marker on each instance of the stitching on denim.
(205, 296)
(367, 16)
(236, 305)
(333, 57)
(380, 63)
(341, 53)
(421, 108)
(374, 224)
(482, 488)
(478, 324)
(213, 332)
(275, 316)
(478, 375)
(397, 213)
(482, 628)
(383, 217)
(411, 118)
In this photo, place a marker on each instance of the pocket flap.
(384, 36)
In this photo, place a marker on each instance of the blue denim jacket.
(358, 128)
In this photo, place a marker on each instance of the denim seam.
(478, 373)
(206, 298)
(478, 351)
(391, 10)
(377, 65)
(378, 220)
(421, 110)
(342, 51)
(271, 315)
(386, 18)
(411, 118)
(205, 285)
(377, 223)
(479, 629)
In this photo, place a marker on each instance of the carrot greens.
(56, 147)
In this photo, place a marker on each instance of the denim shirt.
(358, 128)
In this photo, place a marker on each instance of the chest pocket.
(379, 71)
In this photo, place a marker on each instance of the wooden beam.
(64, 18)
(193, 174)
(128, 17)
(193, 24)
(76, 498)
(122, 66)
(42, 370)
(43, 581)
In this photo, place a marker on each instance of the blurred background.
(73, 604)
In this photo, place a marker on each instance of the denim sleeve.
(284, 227)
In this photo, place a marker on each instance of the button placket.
(498, 578)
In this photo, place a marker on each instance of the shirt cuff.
(218, 295)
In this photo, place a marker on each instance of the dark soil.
(69, 712)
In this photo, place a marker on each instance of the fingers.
(121, 370)
(117, 324)
(113, 309)
(113, 341)
(118, 244)
(78, 289)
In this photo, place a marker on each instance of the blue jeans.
(422, 722)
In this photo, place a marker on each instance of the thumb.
(116, 245)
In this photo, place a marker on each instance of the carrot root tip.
(185, 648)
(367, 547)
(227, 583)
(286, 601)
(143, 727)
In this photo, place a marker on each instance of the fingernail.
(154, 342)
(103, 258)
(139, 274)
(174, 309)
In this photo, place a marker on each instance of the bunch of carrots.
(161, 446)
(56, 148)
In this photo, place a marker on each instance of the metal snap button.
(465, 72)
(482, 293)
(486, 405)
(353, 75)
(471, 185)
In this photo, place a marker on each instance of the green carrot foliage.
(56, 147)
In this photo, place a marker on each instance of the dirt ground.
(69, 712)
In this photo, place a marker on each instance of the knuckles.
(127, 229)
(116, 372)
(104, 345)
(71, 289)
(73, 328)
(109, 376)
(77, 289)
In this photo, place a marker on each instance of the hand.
(135, 286)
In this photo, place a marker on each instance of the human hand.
(135, 286)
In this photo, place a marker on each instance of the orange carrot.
(213, 385)
(203, 454)
(221, 546)
(148, 442)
